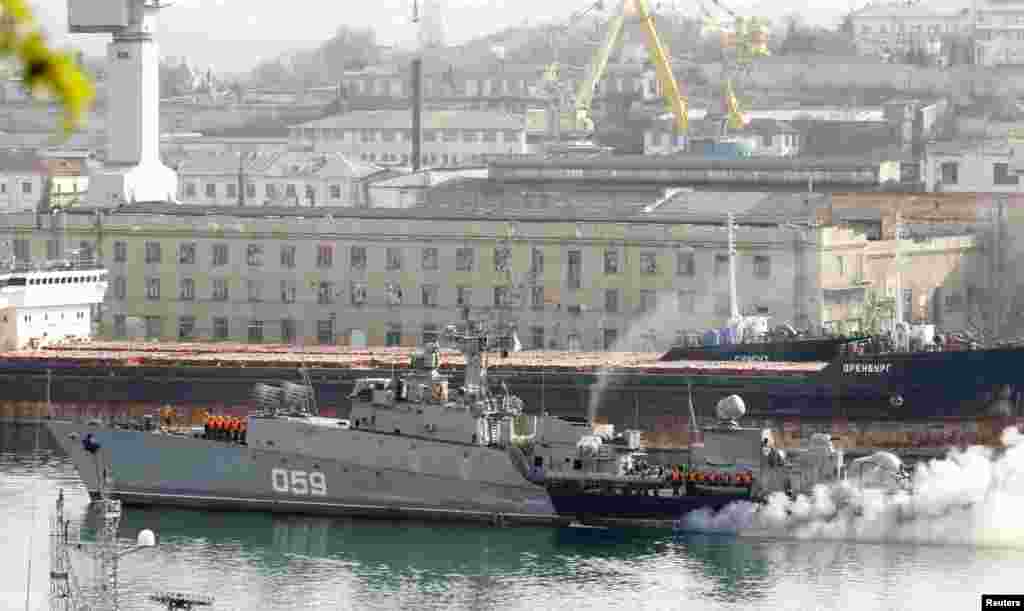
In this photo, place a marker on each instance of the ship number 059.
(299, 482)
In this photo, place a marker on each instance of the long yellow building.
(636, 281)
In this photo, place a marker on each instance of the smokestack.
(417, 113)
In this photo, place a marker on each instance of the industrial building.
(567, 277)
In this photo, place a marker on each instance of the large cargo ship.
(413, 448)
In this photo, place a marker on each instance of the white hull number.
(299, 483)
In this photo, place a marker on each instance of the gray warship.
(415, 448)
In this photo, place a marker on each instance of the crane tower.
(132, 171)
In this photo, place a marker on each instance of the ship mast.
(734, 306)
(898, 312)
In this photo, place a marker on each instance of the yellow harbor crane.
(743, 41)
(580, 122)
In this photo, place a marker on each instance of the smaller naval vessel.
(414, 447)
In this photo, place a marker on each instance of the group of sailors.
(225, 428)
(681, 476)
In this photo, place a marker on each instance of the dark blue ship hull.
(619, 506)
(921, 385)
(812, 350)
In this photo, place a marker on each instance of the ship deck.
(177, 355)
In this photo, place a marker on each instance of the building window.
(220, 255)
(187, 289)
(357, 257)
(762, 266)
(152, 288)
(288, 256)
(841, 265)
(287, 291)
(721, 265)
(1001, 174)
(254, 255)
(685, 264)
(120, 287)
(220, 328)
(428, 296)
(537, 337)
(154, 327)
(537, 261)
(611, 301)
(954, 302)
(26, 188)
(687, 301)
(464, 259)
(211, 190)
(335, 191)
(270, 190)
(287, 331)
(430, 334)
(220, 289)
(187, 253)
(325, 293)
(393, 293)
(358, 293)
(250, 190)
(289, 191)
(255, 331)
(537, 297)
(575, 269)
(464, 296)
(325, 332)
(22, 250)
(254, 289)
(648, 263)
(722, 304)
(648, 301)
(611, 261)
(393, 338)
(950, 173)
(611, 337)
(190, 189)
(502, 259)
(120, 252)
(120, 326)
(232, 190)
(153, 252)
(501, 299)
(429, 259)
(186, 327)
(394, 258)
(324, 255)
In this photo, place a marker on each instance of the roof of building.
(20, 162)
(904, 11)
(686, 162)
(748, 204)
(434, 119)
(428, 177)
(274, 164)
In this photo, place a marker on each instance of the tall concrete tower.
(132, 171)
(431, 24)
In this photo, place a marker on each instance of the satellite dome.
(731, 408)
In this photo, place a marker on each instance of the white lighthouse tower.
(132, 171)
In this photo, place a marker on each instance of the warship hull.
(410, 479)
(146, 468)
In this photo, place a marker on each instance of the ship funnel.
(267, 398)
(297, 396)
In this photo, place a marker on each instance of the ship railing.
(75, 264)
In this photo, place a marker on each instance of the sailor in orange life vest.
(677, 480)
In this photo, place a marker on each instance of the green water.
(260, 561)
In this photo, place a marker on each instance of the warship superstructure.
(414, 447)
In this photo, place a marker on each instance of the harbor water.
(271, 562)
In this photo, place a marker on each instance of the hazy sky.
(233, 35)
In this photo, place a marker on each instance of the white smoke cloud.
(972, 497)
